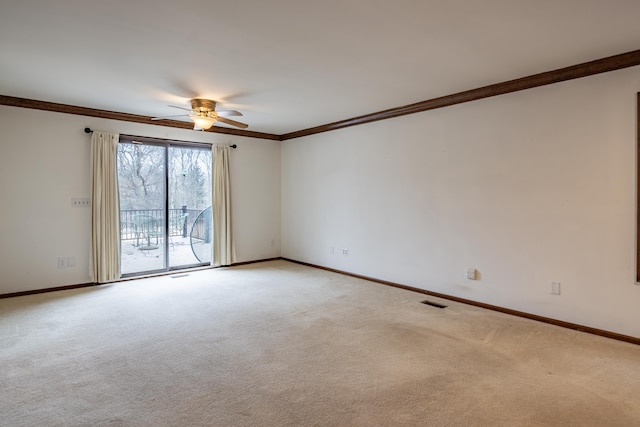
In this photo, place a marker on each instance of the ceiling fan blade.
(182, 108)
(168, 117)
(232, 123)
(228, 113)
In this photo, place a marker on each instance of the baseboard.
(124, 279)
(236, 264)
(569, 325)
(46, 290)
(561, 323)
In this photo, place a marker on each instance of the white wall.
(529, 188)
(44, 162)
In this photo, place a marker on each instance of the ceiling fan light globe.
(203, 122)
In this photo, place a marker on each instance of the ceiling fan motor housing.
(204, 105)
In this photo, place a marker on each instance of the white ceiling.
(289, 65)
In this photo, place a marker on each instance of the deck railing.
(177, 225)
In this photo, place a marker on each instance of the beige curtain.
(223, 250)
(105, 208)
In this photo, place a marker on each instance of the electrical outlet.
(80, 202)
(555, 288)
(345, 252)
(472, 273)
(71, 261)
(62, 262)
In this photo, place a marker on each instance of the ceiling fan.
(204, 115)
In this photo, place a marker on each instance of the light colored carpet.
(279, 344)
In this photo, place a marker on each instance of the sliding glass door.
(189, 206)
(165, 205)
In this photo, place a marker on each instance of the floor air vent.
(433, 304)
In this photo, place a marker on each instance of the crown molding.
(604, 65)
(585, 69)
(125, 117)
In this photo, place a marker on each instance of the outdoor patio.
(149, 258)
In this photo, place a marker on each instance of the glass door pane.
(142, 186)
(189, 206)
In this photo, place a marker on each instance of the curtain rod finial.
(88, 130)
(233, 146)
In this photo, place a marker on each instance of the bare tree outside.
(140, 176)
(189, 181)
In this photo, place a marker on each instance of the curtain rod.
(89, 130)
